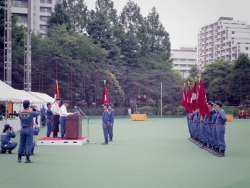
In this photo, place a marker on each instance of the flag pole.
(161, 99)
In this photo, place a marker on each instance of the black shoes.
(28, 160)
(32, 152)
(9, 151)
(19, 158)
(110, 139)
(106, 142)
(221, 153)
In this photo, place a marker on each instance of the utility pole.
(27, 59)
(7, 43)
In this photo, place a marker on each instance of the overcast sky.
(183, 18)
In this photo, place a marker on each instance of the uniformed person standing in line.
(209, 127)
(105, 125)
(215, 143)
(56, 116)
(8, 133)
(26, 133)
(43, 115)
(49, 122)
(220, 128)
(111, 113)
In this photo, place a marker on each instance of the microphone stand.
(88, 121)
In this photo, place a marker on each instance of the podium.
(73, 127)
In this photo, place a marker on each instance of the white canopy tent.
(43, 97)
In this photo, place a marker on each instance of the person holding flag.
(56, 111)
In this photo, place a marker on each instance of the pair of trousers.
(55, 125)
(110, 130)
(26, 141)
(105, 131)
(62, 123)
(49, 127)
(221, 137)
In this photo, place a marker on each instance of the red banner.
(56, 91)
(105, 97)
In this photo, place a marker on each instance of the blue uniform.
(76, 112)
(43, 116)
(189, 125)
(5, 141)
(220, 128)
(26, 132)
(204, 130)
(49, 115)
(105, 118)
(209, 126)
(111, 117)
(196, 125)
(214, 141)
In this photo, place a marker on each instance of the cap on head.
(210, 103)
(66, 102)
(110, 104)
(218, 103)
(48, 104)
(105, 104)
(58, 99)
(26, 103)
(6, 126)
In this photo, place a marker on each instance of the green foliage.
(62, 44)
(228, 109)
(194, 71)
(215, 79)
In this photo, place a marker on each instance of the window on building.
(44, 18)
(42, 1)
(246, 48)
(22, 18)
(45, 9)
(43, 27)
(232, 32)
(21, 4)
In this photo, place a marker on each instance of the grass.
(155, 153)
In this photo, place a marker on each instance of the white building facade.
(40, 11)
(183, 59)
(224, 39)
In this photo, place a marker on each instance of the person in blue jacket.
(49, 122)
(7, 134)
(220, 128)
(111, 114)
(105, 124)
(26, 133)
(43, 115)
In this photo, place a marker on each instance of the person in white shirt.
(56, 115)
(63, 116)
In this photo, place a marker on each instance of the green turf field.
(151, 154)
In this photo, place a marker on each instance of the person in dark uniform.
(105, 125)
(49, 115)
(220, 128)
(75, 111)
(26, 133)
(43, 116)
(7, 134)
(111, 114)
(56, 116)
(209, 126)
(214, 139)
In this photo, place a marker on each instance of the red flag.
(56, 91)
(202, 101)
(189, 100)
(194, 97)
(184, 100)
(105, 97)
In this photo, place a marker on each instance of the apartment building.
(224, 39)
(40, 11)
(183, 59)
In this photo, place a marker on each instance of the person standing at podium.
(63, 116)
(56, 115)
(75, 111)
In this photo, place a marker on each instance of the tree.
(215, 80)
(194, 71)
(131, 17)
(239, 78)
(59, 17)
(100, 30)
(63, 44)
(130, 50)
